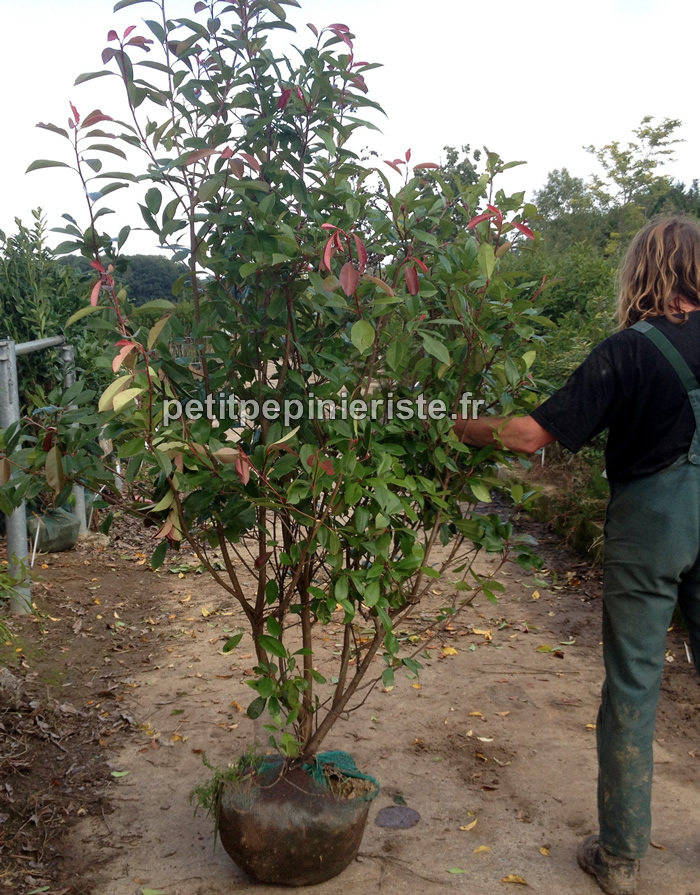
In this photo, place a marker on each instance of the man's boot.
(615, 876)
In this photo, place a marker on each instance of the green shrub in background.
(38, 295)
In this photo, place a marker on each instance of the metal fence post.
(68, 364)
(16, 524)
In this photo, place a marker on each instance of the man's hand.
(521, 434)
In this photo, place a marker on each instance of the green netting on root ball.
(323, 768)
(334, 771)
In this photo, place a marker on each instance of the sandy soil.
(497, 737)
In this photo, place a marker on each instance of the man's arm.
(517, 433)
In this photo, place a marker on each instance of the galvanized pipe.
(15, 524)
(39, 345)
(68, 364)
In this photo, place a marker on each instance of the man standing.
(642, 385)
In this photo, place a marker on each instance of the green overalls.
(652, 560)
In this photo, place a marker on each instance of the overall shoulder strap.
(670, 352)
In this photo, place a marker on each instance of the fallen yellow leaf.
(481, 849)
(416, 686)
(475, 715)
(483, 632)
(205, 612)
(514, 878)
(590, 726)
(180, 575)
(545, 852)
(468, 827)
(186, 599)
(535, 595)
(449, 651)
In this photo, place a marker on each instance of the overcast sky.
(534, 80)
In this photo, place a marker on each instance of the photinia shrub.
(343, 314)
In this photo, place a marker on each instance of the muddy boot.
(616, 876)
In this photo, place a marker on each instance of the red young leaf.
(359, 82)
(336, 239)
(344, 37)
(408, 156)
(94, 295)
(119, 359)
(97, 266)
(227, 152)
(313, 28)
(198, 154)
(523, 229)
(327, 466)
(411, 277)
(431, 165)
(385, 287)
(76, 116)
(338, 26)
(361, 252)
(284, 98)
(243, 467)
(140, 41)
(328, 252)
(95, 117)
(165, 529)
(128, 31)
(198, 7)
(485, 216)
(328, 227)
(420, 264)
(107, 54)
(392, 165)
(112, 35)
(261, 560)
(349, 278)
(252, 161)
(300, 94)
(496, 211)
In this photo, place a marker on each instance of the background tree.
(38, 294)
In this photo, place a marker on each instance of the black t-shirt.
(627, 386)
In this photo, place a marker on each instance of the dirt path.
(498, 732)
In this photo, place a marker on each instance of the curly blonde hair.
(661, 265)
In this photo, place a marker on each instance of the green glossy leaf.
(257, 707)
(232, 643)
(272, 645)
(159, 555)
(362, 335)
(158, 304)
(480, 491)
(83, 312)
(45, 163)
(486, 258)
(436, 348)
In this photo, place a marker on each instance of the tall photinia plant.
(344, 314)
